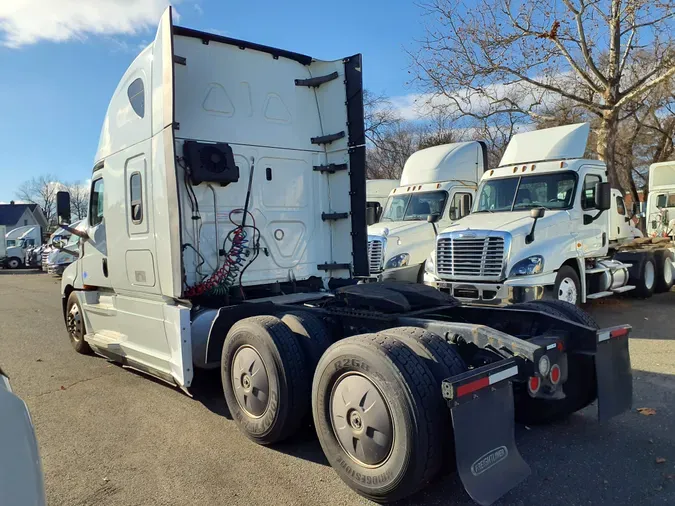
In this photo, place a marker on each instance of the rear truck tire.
(567, 286)
(14, 263)
(443, 361)
(580, 388)
(265, 380)
(645, 278)
(75, 325)
(375, 405)
(664, 270)
(311, 334)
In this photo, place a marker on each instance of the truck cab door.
(460, 205)
(619, 219)
(94, 263)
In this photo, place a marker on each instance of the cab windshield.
(518, 193)
(414, 206)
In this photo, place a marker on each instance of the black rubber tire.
(76, 330)
(662, 284)
(580, 388)
(14, 263)
(311, 334)
(570, 311)
(637, 276)
(288, 380)
(567, 272)
(410, 391)
(443, 361)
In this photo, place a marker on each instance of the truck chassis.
(400, 366)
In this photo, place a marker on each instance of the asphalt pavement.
(111, 436)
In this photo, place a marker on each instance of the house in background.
(15, 215)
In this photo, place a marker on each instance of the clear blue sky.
(56, 80)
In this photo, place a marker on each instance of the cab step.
(624, 289)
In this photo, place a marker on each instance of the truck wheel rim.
(250, 381)
(13, 264)
(567, 291)
(649, 275)
(74, 321)
(361, 420)
(667, 271)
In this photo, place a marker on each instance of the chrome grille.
(45, 255)
(470, 257)
(375, 255)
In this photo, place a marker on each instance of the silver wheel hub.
(250, 381)
(74, 322)
(567, 291)
(649, 275)
(361, 420)
(667, 271)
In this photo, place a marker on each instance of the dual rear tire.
(375, 398)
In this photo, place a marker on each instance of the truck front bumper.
(510, 291)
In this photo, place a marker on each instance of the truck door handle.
(105, 267)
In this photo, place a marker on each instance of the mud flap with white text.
(613, 372)
(488, 461)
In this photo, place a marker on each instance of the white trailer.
(436, 189)
(546, 225)
(227, 228)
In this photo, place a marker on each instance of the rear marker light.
(555, 374)
(613, 334)
(533, 384)
(486, 381)
(618, 332)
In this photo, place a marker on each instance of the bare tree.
(79, 199)
(379, 116)
(523, 57)
(41, 190)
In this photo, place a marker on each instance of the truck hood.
(400, 229)
(506, 221)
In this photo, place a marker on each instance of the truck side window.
(135, 92)
(96, 203)
(460, 205)
(588, 192)
(136, 198)
(620, 206)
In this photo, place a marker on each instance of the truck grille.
(375, 255)
(45, 256)
(470, 257)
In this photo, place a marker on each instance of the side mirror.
(453, 213)
(537, 212)
(371, 215)
(433, 218)
(636, 209)
(603, 196)
(63, 207)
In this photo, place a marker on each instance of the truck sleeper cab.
(546, 225)
(226, 229)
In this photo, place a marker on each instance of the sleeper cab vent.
(211, 163)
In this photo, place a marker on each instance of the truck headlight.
(430, 264)
(398, 261)
(528, 266)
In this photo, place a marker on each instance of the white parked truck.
(546, 225)
(3, 244)
(227, 228)
(18, 241)
(660, 209)
(63, 249)
(436, 189)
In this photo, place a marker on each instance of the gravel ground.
(110, 436)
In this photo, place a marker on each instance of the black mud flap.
(613, 372)
(482, 408)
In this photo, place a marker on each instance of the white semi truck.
(546, 225)
(660, 209)
(377, 192)
(436, 189)
(226, 228)
(18, 242)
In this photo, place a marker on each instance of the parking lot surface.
(110, 436)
